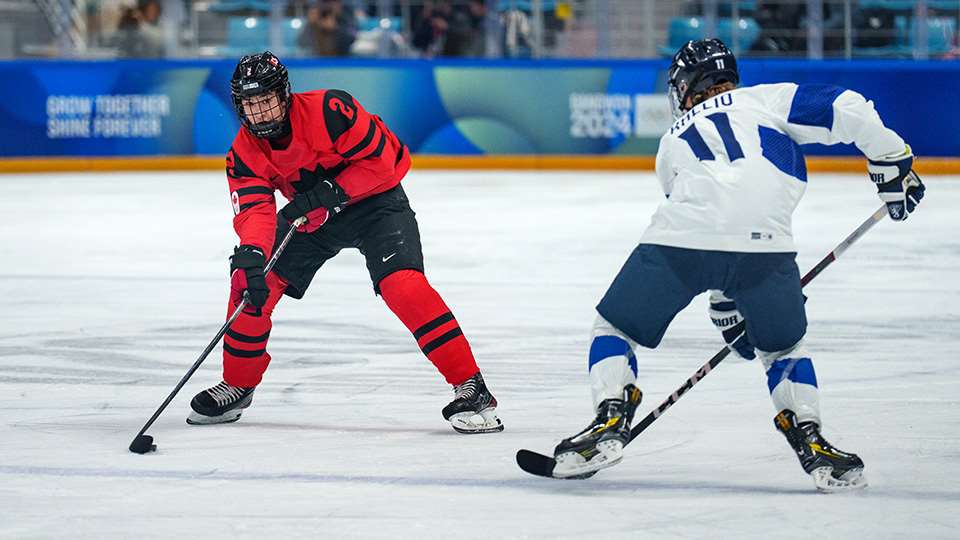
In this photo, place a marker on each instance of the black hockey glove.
(897, 185)
(326, 195)
(726, 317)
(246, 274)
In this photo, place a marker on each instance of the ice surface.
(112, 284)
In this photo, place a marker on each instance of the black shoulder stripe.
(339, 113)
(236, 168)
(379, 149)
(380, 145)
(367, 139)
(254, 191)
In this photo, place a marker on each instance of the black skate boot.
(831, 469)
(220, 404)
(473, 409)
(599, 445)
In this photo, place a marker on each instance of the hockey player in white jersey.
(733, 172)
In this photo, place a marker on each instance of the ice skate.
(220, 404)
(473, 409)
(599, 445)
(831, 469)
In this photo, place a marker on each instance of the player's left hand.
(897, 184)
(317, 205)
(246, 275)
(726, 317)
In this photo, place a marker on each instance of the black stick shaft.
(717, 358)
(223, 330)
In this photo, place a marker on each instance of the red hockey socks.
(411, 298)
(245, 356)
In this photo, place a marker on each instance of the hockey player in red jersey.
(340, 167)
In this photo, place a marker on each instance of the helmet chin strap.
(266, 130)
(283, 132)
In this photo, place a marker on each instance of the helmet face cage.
(677, 91)
(696, 67)
(261, 75)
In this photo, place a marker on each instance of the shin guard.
(792, 382)
(421, 309)
(612, 363)
(245, 356)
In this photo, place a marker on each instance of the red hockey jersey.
(332, 135)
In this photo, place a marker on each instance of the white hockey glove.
(725, 316)
(897, 185)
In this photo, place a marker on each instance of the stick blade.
(142, 444)
(535, 463)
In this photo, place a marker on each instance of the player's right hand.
(727, 318)
(897, 185)
(317, 205)
(246, 274)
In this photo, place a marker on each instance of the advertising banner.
(477, 107)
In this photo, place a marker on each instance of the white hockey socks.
(612, 363)
(792, 382)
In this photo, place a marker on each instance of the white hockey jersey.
(733, 171)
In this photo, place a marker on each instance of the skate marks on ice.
(594, 486)
(85, 360)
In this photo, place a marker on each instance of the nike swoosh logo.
(388, 257)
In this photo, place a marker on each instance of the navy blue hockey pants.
(657, 282)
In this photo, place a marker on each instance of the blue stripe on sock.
(607, 346)
(799, 370)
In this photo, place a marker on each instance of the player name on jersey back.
(723, 100)
(733, 170)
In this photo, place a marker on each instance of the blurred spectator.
(784, 26)
(517, 34)
(330, 29)
(465, 31)
(430, 30)
(780, 27)
(874, 27)
(443, 29)
(138, 31)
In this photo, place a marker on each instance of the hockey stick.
(543, 465)
(142, 443)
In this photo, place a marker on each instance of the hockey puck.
(143, 444)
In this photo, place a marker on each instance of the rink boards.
(451, 113)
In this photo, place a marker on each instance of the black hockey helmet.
(258, 74)
(697, 66)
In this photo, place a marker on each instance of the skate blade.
(197, 419)
(573, 466)
(486, 421)
(825, 482)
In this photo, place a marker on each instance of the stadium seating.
(683, 29)
(941, 33)
(252, 34)
(237, 6)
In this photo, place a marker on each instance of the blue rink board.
(452, 107)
